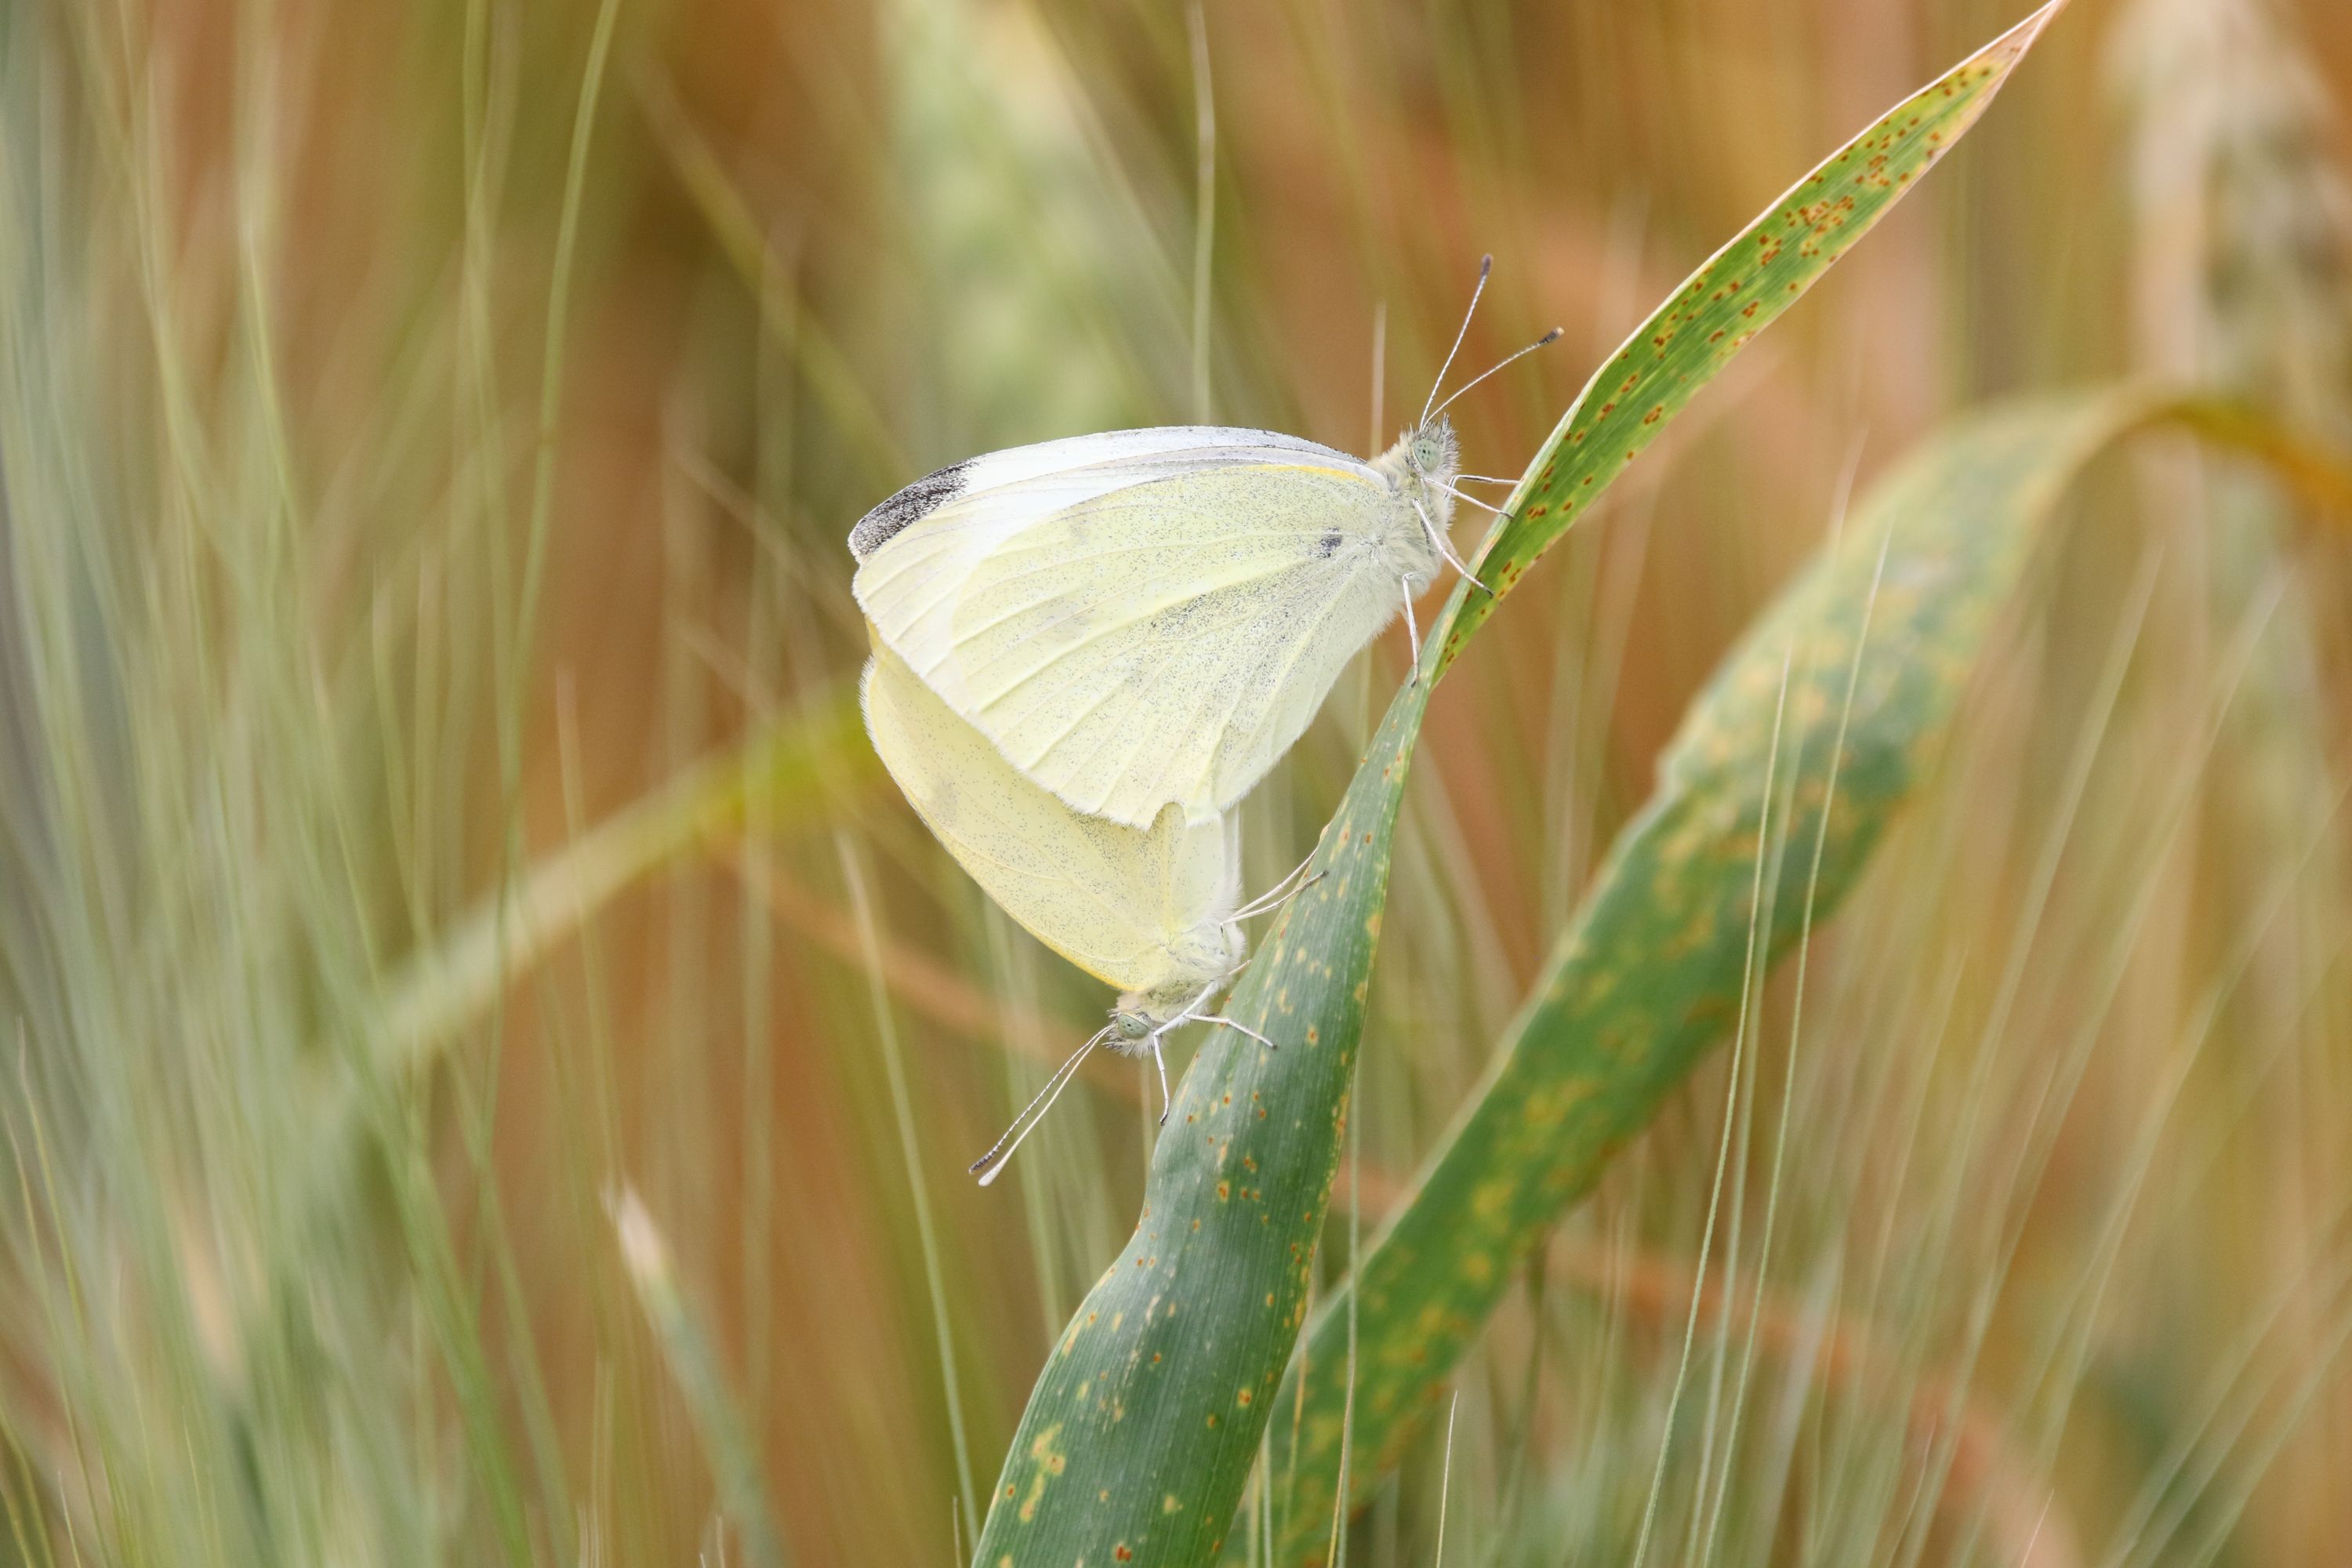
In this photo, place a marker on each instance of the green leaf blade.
(1740, 290)
(1647, 977)
(1139, 1434)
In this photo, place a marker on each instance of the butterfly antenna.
(1001, 1154)
(1486, 264)
(1549, 338)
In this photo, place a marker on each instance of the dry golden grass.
(335, 610)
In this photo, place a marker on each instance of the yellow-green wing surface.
(1157, 627)
(1141, 909)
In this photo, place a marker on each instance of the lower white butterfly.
(1152, 616)
(1153, 912)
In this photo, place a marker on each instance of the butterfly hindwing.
(1138, 908)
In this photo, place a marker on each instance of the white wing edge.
(1015, 465)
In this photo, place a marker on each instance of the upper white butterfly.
(1152, 616)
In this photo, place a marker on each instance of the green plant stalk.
(1139, 1434)
(442, 991)
(702, 1379)
(735, 226)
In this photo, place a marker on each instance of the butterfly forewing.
(1156, 628)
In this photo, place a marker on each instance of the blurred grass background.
(428, 431)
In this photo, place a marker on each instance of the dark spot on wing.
(917, 501)
(1329, 545)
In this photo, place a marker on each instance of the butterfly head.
(1424, 461)
(1139, 1016)
(1421, 468)
(1432, 452)
(1424, 465)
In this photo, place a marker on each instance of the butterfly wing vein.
(1131, 635)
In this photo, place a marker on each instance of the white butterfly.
(1153, 912)
(1147, 618)
(1086, 652)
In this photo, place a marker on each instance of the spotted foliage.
(1741, 289)
(1140, 1432)
(1842, 691)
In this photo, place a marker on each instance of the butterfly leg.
(1241, 1027)
(1445, 547)
(1412, 626)
(1273, 898)
(1191, 1013)
(1193, 1008)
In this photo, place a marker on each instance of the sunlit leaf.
(1140, 1432)
(1872, 646)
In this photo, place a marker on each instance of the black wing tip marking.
(910, 506)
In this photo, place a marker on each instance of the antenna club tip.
(1485, 264)
(1554, 335)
